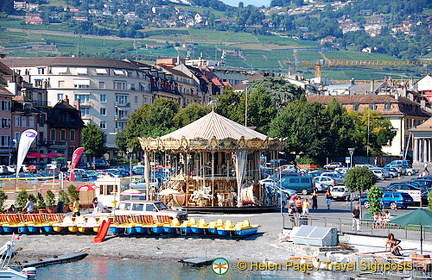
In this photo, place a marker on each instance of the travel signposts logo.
(220, 266)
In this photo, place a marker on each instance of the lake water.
(102, 269)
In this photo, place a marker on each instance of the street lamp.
(351, 151)
(129, 151)
(246, 83)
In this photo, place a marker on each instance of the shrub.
(3, 197)
(22, 199)
(50, 199)
(359, 179)
(63, 196)
(40, 201)
(73, 193)
(32, 198)
(374, 194)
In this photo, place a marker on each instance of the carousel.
(216, 163)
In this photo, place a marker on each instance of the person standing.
(299, 207)
(76, 208)
(356, 218)
(314, 198)
(305, 207)
(29, 206)
(328, 197)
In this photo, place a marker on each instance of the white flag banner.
(27, 138)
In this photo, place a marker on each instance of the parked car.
(301, 184)
(144, 207)
(392, 200)
(333, 165)
(274, 190)
(393, 172)
(379, 174)
(326, 180)
(340, 193)
(101, 163)
(342, 170)
(337, 177)
(414, 191)
(399, 163)
(409, 171)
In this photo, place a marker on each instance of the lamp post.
(129, 151)
(246, 83)
(351, 151)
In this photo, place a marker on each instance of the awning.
(82, 71)
(101, 71)
(118, 72)
(82, 82)
(35, 155)
(60, 70)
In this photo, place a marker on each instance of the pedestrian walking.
(356, 218)
(314, 198)
(425, 169)
(76, 208)
(328, 197)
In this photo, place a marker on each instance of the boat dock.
(65, 258)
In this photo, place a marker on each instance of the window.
(17, 121)
(24, 122)
(72, 135)
(4, 105)
(102, 124)
(17, 136)
(150, 207)
(52, 135)
(41, 70)
(387, 106)
(61, 84)
(31, 122)
(372, 106)
(120, 85)
(82, 83)
(102, 85)
(121, 99)
(59, 96)
(136, 99)
(85, 112)
(355, 107)
(5, 123)
(132, 87)
(82, 98)
(63, 135)
(103, 98)
(5, 140)
(102, 111)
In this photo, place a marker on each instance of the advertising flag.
(76, 156)
(27, 138)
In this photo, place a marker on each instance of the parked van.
(301, 184)
(399, 163)
(146, 207)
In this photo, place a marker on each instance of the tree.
(160, 119)
(359, 179)
(22, 199)
(3, 197)
(94, 140)
(374, 194)
(190, 113)
(372, 131)
(50, 199)
(40, 201)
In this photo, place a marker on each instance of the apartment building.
(106, 91)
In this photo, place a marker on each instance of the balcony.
(122, 104)
(121, 118)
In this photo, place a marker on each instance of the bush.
(374, 194)
(40, 202)
(305, 160)
(73, 193)
(22, 199)
(63, 197)
(3, 197)
(50, 199)
(32, 198)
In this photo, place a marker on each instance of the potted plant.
(41, 205)
(3, 197)
(22, 199)
(63, 197)
(73, 195)
(50, 202)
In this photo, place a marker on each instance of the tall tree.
(94, 140)
(190, 113)
(372, 131)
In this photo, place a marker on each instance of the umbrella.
(86, 187)
(168, 192)
(131, 191)
(54, 154)
(419, 217)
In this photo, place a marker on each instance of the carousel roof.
(213, 132)
(217, 126)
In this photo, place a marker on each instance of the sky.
(257, 3)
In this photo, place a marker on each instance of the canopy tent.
(207, 151)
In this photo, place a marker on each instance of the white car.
(324, 180)
(378, 173)
(340, 193)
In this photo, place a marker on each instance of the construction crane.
(341, 62)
